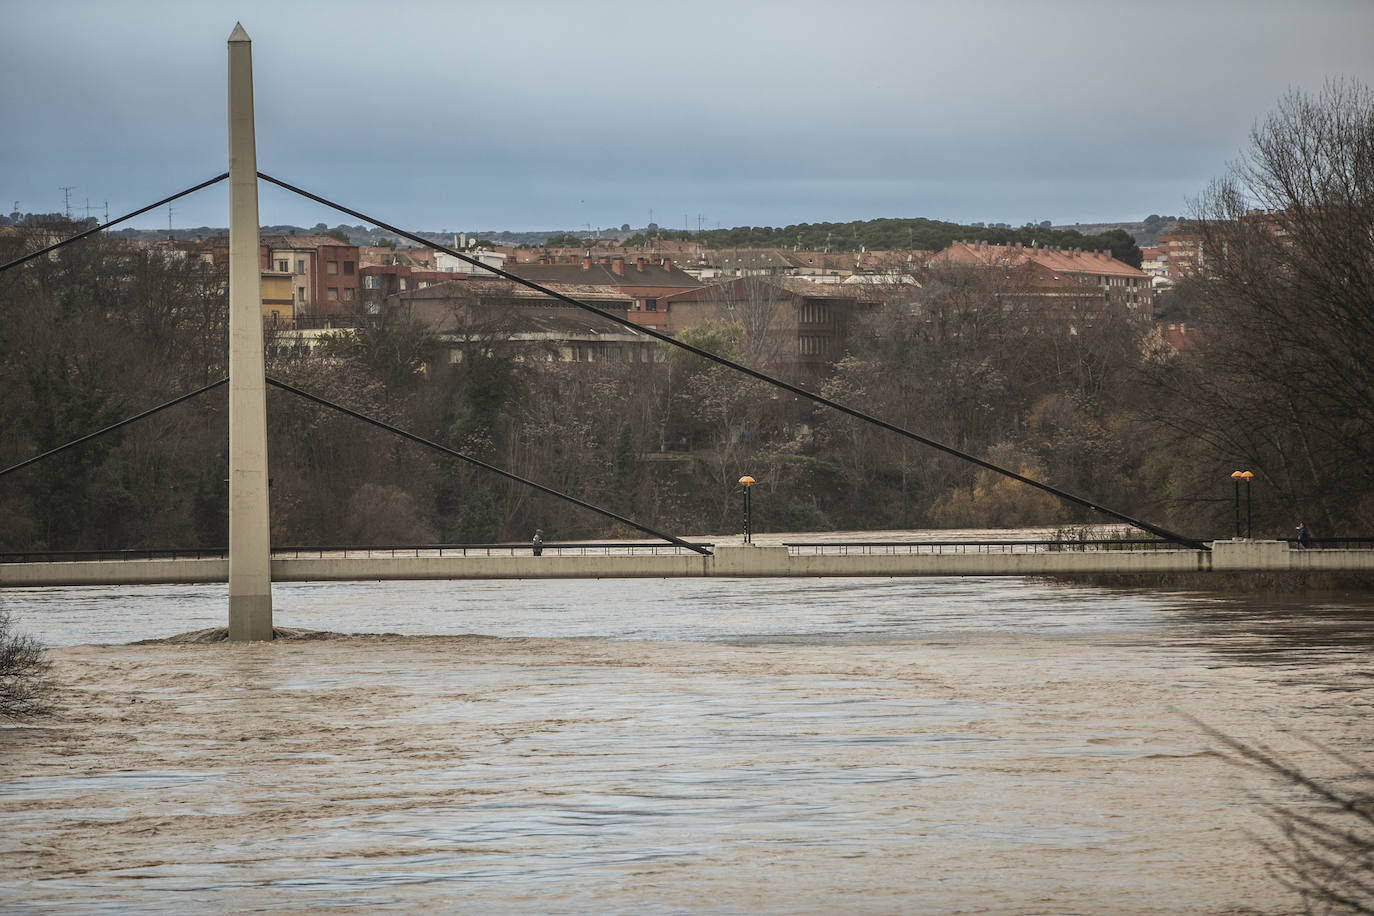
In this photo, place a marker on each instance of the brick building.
(1062, 284)
(504, 317)
(789, 321)
(1183, 255)
(644, 283)
(325, 274)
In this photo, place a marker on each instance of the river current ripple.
(627, 746)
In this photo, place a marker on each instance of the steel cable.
(753, 373)
(477, 462)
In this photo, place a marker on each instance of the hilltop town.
(320, 281)
(1062, 356)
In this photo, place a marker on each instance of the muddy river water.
(714, 746)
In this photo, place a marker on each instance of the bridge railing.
(879, 548)
(354, 551)
(1336, 543)
(103, 556)
(796, 548)
(577, 549)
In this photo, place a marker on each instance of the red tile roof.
(1059, 261)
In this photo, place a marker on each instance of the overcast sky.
(568, 115)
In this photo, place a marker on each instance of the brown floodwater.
(719, 746)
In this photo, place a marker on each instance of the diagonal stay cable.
(753, 373)
(429, 443)
(119, 219)
(111, 428)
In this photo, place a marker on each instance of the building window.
(331, 267)
(333, 294)
(651, 305)
(300, 294)
(283, 265)
(348, 293)
(300, 266)
(370, 282)
(348, 268)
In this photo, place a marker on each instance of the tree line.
(1105, 409)
(887, 234)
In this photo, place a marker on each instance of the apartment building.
(1064, 284)
(1183, 255)
(789, 321)
(644, 283)
(325, 273)
(496, 315)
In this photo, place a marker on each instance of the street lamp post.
(748, 482)
(1249, 514)
(1235, 480)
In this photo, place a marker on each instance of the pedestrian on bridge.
(537, 543)
(1304, 535)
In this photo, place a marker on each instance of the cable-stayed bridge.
(250, 565)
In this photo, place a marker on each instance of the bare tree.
(1285, 384)
(767, 315)
(1326, 854)
(24, 686)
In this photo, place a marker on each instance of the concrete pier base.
(250, 617)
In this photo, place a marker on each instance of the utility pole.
(250, 566)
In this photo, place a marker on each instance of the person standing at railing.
(1304, 535)
(537, 542)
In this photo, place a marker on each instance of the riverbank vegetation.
(1277, 382)
(24, 686)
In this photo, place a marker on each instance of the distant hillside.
(874, 234)
(357, 235)
(1145, 232)
(887, 234)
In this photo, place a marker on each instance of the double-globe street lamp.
(747, 482)
(1237, 477)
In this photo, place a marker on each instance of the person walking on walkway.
(1303, 535)
(537, 543)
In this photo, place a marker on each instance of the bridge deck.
(738, 560)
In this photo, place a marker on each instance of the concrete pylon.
(250, 569)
